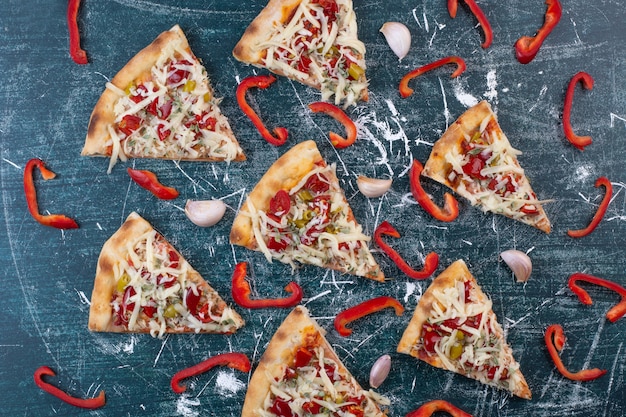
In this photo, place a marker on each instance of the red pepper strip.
(587, 81)
(597, 218)
(59, 221)
(76, 52)
(237, 361)
(527, 47)
(363, 309)
(404, 88)
(90, 403)
(617, 311)
(149, 181)
(479, 14)
(431, 407)
(430, 263)
(241, 292)
(339, 115)
(450, 209)
(555, 340)
(259, 81)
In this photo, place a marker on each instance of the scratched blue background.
(47, 274)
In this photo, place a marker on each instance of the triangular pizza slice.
(144, 285)
(476, 160)
(298, 213)
(301, 375)
(314, 42)
(161, 105)
(454, 328)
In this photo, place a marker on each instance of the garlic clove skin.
(373, 187)
(398, 38)
(205, 213)
(519, 262)
(380, 371)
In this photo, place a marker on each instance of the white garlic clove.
(398, 37)
(373, 187)
(380, 371)
(519, 262)
(205, 213)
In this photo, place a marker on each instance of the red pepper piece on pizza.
(476, 160)
(454, 328)
(144, 285)
(301, 375)
(161, 105)
(298, 214)
(314, 42)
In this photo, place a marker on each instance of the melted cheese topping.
(152, 292)
(175, 112)
(323, 48)
(320, 388)
(316, 229)
(465, 335)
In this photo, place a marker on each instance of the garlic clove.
(205, 213)
(380, 371)
(398, 38)
(373, 187)
(519, 262)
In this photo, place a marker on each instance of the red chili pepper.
(526, 47)
(431, 407)
(450, 209)
(555, 340)
(339, 115)
(259, 81)
(404, 88)
(148, 180)
(617, 311)
(597, 218)
(90, 403)
(237, 361)
(59, 221)
(478, 13)
(430, 263)
(76, 52)
(241, 292)
(587, 81)
(362, 310)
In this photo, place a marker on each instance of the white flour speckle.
(410, 289)
(583, 172)
(184, 406)
(463, 96)
(227, 384)
(492, 84)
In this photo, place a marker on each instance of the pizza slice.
(297, 213)
(476, 160)
(454, 328)
(314, 42)
(301, 375)
(161, 105)
(143, 285)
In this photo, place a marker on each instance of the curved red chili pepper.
(235, 360)
(148, 180)
(363, 309)
(59, 221)
(241, 292)
(90, 403)
(597, 218)
(76, 52)
(259, 81)
(480, 16)
(450, 209)
(526, 47)
(617, 311)
(339, 115)
(587, 81)
(430, 263)
(555, 340)
(431, 407)
(404, 88)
